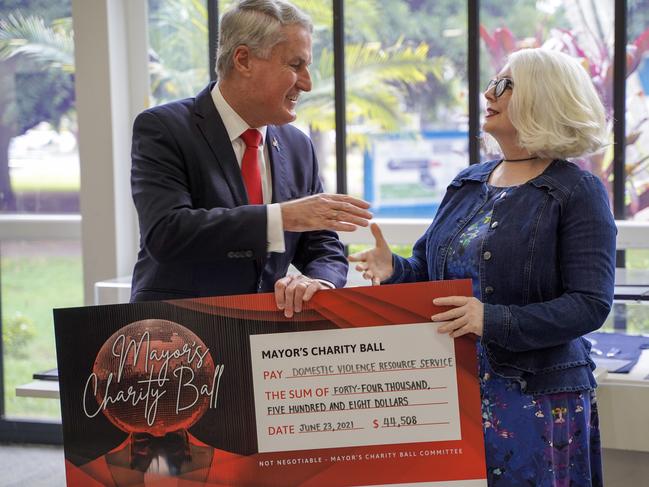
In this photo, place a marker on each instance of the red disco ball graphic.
(154, 376)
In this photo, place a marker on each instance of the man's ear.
(242, 59)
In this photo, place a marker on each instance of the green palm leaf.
(178, 41)
(30, 38)
(374, 82)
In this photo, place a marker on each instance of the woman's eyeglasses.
(500, 86)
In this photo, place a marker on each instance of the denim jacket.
(546, 271)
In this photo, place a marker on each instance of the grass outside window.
(35, 278)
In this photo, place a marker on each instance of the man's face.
(278, 80)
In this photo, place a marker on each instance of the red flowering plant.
(597, 59)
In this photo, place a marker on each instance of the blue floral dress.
(544, 440)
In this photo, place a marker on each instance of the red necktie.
(250, 166)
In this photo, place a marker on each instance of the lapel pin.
(275, 144)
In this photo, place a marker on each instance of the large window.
(39, 165)
(178, 48)
(39, 176)
(36, 277)
(406, 94)
(637, 124)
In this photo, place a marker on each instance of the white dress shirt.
(235, 126)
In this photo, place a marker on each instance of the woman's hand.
(466, 317)
(375, 264)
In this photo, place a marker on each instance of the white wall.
(111, 63)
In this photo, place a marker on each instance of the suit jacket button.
(488, 290)
(486, 255)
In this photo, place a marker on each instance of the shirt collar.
(234, 124)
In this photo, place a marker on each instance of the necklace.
(520, 160)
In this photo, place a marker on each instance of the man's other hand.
(337, 212)
(292, 291)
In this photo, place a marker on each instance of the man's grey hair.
(257, 24)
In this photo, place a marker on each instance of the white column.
(112, 86)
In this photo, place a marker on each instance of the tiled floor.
(31, 466)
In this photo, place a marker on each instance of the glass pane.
(39, 173)
(582, 28)
(39, 163)
(637, 112)
(178, 44)
(315, 110)
(638, 258)
(406, 102)
(628, 317)
(37, 276)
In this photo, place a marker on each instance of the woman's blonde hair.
(554, 105)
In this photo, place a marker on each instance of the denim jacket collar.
(481, 172)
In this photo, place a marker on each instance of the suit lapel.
(279, 166)
(211, 126)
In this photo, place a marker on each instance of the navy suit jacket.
(198, 235)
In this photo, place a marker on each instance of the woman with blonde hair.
(536, 236)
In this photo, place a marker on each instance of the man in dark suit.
(227, 194)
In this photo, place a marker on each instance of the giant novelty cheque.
(358, 389)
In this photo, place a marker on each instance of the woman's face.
(497, 122)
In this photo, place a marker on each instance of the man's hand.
(375, 264)
(292, 291)
(466, 317)
(337, 212)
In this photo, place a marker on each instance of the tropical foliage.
(48, 46)
(375, 85)
(39, 58)
(591, 44)
(377, 74)
(400, 64)
(380, 75)
(178, 55)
